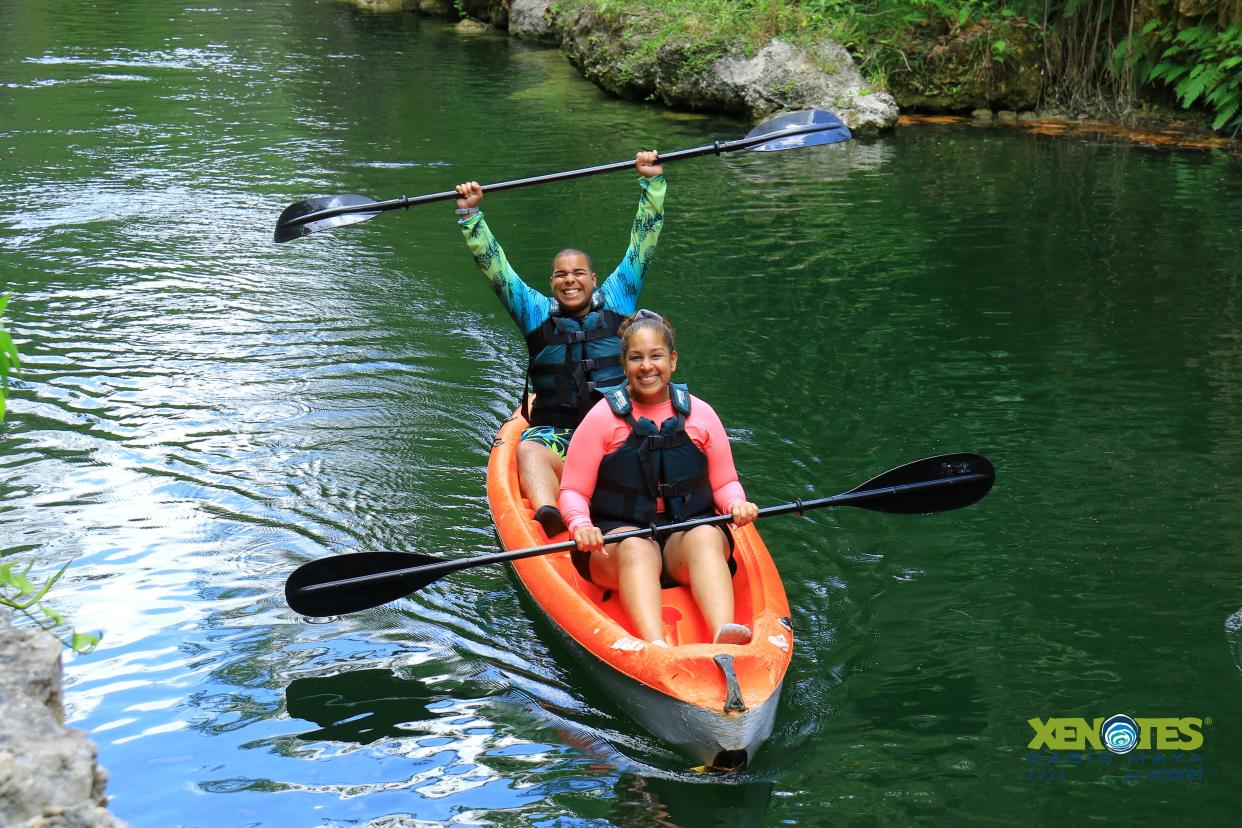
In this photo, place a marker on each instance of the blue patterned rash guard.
(530, 308)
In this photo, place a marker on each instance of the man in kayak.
(571, 338)
(623, 471)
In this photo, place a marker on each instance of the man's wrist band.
(465, 211)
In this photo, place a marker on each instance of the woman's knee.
(638, 552)
(705, 542)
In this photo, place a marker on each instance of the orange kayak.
(715, 702)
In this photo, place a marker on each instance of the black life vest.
(569, 360)
(652, 463)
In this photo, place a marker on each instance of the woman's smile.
(649, 365)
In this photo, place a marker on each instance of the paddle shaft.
(405, 202)
(444, 567)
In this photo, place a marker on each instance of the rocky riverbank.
(777, 77)
(49, 776)
(1010, 89)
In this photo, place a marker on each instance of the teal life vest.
(653, 462)
(569, 360)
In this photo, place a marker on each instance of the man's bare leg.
(539, 472)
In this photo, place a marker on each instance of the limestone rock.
(532, 19)
(778, 77)
(781, 76)
(48, 774)
(81, 816)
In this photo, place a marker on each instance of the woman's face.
(649, 364)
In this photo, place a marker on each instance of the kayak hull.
(716, 703)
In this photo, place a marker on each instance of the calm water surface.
(201, 411)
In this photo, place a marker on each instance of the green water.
(201, 411)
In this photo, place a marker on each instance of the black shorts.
(582, 560)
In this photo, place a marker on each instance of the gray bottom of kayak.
(720, 740)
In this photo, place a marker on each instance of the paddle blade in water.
(288, 232)
(966, 479)
(831, 131)
(338, 597)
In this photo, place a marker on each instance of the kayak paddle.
(807, 128)
(341, 584)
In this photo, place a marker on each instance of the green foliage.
(9, 362)
(1097, 52)
(1202, 64)
(17, 591)
(878, 32)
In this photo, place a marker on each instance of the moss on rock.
(997, 66)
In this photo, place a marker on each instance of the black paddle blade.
(343, 598)
(931, 497)
(287, 232)
(833, 131)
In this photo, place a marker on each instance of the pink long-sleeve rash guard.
(601, 432)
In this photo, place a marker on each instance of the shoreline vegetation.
(1159, 72)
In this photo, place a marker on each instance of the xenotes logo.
(1149, 749)
(1118, 734)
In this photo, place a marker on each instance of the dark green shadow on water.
(361, 706)
(647, 800)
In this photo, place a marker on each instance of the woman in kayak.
(623, 471)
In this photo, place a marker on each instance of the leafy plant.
(1203, 63)
(1096, 53)
(17, 591)
(9, 361)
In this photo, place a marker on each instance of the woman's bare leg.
(633, 568)
(699, 558)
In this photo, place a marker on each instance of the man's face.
(573, 282)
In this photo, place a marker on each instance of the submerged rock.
(469, 25)
(49, 777)
(437, 7)
(384, 6)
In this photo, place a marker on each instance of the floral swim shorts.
(556, 439)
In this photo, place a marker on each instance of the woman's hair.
(643, 319)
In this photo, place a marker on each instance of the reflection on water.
(201, 411)
(1233, 633)
(359, 705)
(652, 800)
